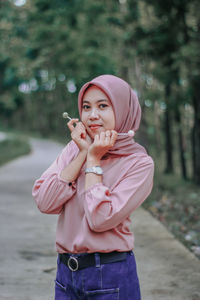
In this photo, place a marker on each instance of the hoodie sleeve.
(106, 209)
(50, 191)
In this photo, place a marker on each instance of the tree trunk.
(157, 127)
(168, 136)
(196, 133)
(181, 144)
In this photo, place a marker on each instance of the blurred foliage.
(12, 147)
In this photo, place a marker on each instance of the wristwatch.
(96, 170)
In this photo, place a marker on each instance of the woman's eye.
(103, 105)
(86, 107)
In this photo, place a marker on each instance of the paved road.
(167, 270)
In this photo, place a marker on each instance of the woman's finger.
(102, 137)
(113, 137)
(81, 129)
(71, 123)
(80, 126)
(96, 138)
(107, 136)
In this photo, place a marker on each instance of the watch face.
(99, 170)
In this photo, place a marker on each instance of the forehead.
(94, 94)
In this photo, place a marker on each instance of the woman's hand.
(79, 134)
(102, 143)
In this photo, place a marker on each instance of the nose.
(94, 115)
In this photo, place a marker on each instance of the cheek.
(112, 120)
(83, 118)
(109, 121)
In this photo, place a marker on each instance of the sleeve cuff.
(69, 183)
(98, 191)
(96, 185)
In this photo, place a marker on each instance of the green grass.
(25, 134)
(12, 147)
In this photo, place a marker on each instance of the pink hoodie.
(98, 220)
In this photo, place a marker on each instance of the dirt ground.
(167, 270)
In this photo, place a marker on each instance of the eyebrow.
(100, 100)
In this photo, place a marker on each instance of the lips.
(95, 126)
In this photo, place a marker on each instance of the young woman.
(94, 185)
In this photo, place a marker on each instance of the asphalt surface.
(167, 270)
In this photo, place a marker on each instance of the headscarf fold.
(126, 108)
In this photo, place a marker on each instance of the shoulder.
(140, 155)
(142, 160)
(139, 161)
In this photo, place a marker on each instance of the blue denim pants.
(112, 281)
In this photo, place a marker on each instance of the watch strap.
(95, 169)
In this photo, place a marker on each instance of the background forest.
(48, 49)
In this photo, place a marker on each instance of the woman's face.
(97, 112)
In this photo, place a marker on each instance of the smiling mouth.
(95, 126)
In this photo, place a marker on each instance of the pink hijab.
(126, 108)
